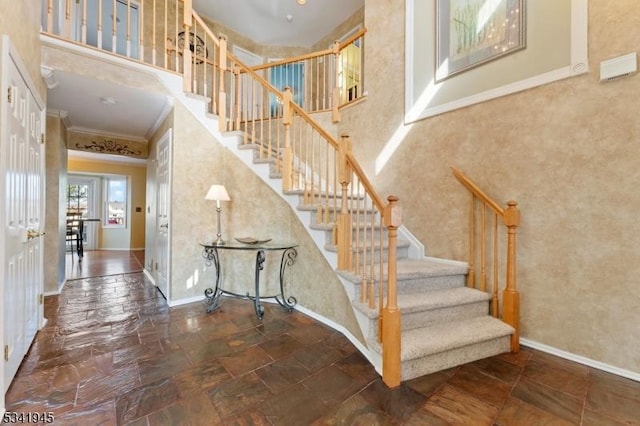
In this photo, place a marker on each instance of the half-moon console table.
(211, 255)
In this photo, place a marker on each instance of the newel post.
(344, 225)
(511, 297)
(335, 93)
(391, 326)
(186, 51)
(222, 92)
(287, 154)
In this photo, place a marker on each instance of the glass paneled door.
(81, 200)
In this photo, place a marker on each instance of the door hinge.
(9, 94)
(42, 138)
(41, 298)
(6, 352)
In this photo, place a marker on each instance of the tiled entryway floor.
(114, 353)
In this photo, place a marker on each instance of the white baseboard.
(148, 275)
(51, 293)
(179, 302)
(362, 348)
(580, 359)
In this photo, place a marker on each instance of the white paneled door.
(22, 194)
(163, 209)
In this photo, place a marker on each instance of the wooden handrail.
(511, 218)
(473, 188)
(375, 197)
(311, 55)
(353, 38)
(204, 26)
(305, 115)
(292, 60)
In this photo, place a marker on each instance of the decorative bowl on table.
(251, 240)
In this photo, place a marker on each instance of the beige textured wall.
(109, 239)
(254, 210)
(566, 151)
(21, 21)
(56, 192)
(355, 20)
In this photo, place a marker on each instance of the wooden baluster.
(236, 73)
(141, 34)
(67, 19)
(344, 225)
(153, 37)
(187, 60)
(128, 28)
(494, 298)
(222, 91)
(99, 24)
(50, 9)
(83, 29)
(483, 249)
(471, 276)
(511, 297)
(391, 326)
(380, 281)
(335, 101)
(287, 155)
(372, 245)
(114, 27)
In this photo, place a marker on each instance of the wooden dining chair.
(74, 234)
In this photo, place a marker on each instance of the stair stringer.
(197, 105)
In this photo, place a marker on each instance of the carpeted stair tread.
(409, 269)
(444, 337)
(419, 268)
(439, 299)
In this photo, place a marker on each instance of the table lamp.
(218, 193)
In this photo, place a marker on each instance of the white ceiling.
(85, 102)
(265, 21)
(135, 112)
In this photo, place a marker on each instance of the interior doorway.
(83, 199)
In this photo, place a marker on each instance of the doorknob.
(32, 233)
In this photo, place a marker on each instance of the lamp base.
(218, 242)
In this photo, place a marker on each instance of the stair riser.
(443, 360)
(423, 285)
(411, 320)
(402, 252)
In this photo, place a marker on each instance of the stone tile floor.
(114, 353)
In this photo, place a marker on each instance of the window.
(77, 199)
(115, 191)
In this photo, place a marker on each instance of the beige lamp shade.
(217, 193)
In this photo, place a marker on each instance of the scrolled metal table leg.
(210, 255)
(260, 258)
(288, 258)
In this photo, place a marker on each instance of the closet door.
(21, 192)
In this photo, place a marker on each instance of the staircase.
(444, 322)
(433, 317)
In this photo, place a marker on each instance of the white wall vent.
(619, 67)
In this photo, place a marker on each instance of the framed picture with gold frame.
(470, 33)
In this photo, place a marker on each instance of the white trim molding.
(420, 107)
(580, 359)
